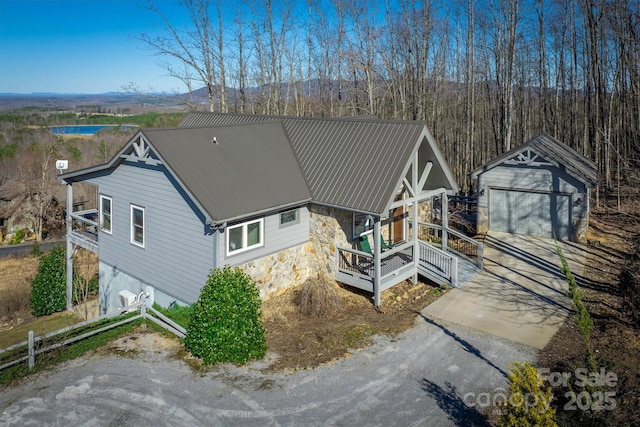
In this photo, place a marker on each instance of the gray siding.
(178, 254)
(547, 179)
(275, 239)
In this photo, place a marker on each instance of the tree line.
(485, 75)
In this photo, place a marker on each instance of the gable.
(545, 150)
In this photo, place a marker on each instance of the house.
(283, 198)
(541, 188)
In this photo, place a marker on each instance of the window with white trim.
(362, 224)
(137, 225)
(289, 217)
(245, 236)
(106, 204)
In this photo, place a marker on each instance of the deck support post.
(377, 277)
(445, 220)
(418, 183)
(69, 252)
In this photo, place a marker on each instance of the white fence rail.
(155, 317)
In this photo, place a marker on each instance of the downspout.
(215, 228)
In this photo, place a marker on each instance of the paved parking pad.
(520, 295)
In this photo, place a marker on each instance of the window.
(362, 224)
(289, 218)
(245, 236)
(137, 225)
(105, 213)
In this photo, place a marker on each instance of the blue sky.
(79, 46)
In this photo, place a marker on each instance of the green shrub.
(49, 287)
(529, 401)
(225, 323)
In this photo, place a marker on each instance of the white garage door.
(534, 214)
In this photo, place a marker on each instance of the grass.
(39, 326)
(178, 313)
(16, 274)
(17, 271)
(69, 352)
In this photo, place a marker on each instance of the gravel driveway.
(430, 375)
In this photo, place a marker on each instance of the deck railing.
(355, 263)
(457, 242)
(84, 228)
(360, 267)
(437, 264)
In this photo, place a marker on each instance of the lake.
(85, 129)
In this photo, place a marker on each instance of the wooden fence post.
(32, 354)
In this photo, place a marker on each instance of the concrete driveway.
(520, 295)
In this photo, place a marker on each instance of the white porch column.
(376, 262)
(445, 220)
(417, 191)
(414, 236)
(69, 247)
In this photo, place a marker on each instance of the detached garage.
(541, 188)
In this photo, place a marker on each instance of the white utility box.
(127, 298)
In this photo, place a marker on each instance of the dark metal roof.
(229, 171)
(261, 163)
(553, 151)
(233, 171)
(353, 162)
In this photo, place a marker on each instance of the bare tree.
(198, 49)
(37, 173)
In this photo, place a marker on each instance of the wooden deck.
(84, 229)
(357, 268)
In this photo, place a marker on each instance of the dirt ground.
(296, 341)
(305, 342)
(615, 340)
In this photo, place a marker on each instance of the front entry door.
(399, 216)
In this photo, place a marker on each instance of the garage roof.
(553, 151)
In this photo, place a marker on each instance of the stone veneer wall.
(291, 267)
(277, 272)
(482, 220)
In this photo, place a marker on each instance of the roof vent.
(214, 140)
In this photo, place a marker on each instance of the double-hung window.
(106, 204)
(137, 226)
(245, 236)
